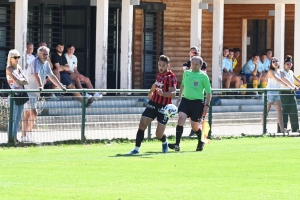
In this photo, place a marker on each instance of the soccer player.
(250, 70)
(160, 94)
(191, 96)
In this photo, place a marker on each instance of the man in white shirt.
(74, 73)
(29, 56)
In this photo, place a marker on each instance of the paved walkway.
(130, 133)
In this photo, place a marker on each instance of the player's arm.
(150, 93)
(170, 93)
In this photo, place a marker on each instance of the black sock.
(139, 138)
(163, 139)
(199, 134)
(179, 131)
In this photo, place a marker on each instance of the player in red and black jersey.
(160, 94)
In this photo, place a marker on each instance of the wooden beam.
(217, 52)
(244, 42)
(101, 44)
(297, 41)
(21, 29)
(279, 32)
(196, 24)
(126, 45)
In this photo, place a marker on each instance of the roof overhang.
(255, 1)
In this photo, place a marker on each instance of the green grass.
(247, 168)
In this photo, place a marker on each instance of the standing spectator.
(160, 94)
(29, 55)
(191, 96)
(55, 72)
(250, 71)
(288, 99)
(274, 81)
(16, 80)
(74, 73)
(61, 64)
(37, 71)
(263, 66)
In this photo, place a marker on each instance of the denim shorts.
(273, 96)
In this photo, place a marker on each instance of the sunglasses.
(275, 61)
(16, 57)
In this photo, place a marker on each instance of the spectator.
(55, 72)
(16, 80)
(237, 53)
(61, 64)
(274, 81)
(250, 72)
(263, 66)
(194, 51)
(29, 56)
(269, 53)
(37, 71)
(74, 73)
(288, 99)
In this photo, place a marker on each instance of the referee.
(191, 96)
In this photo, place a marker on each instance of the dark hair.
(231, 50)
(164, 59)
(271, 66)
(29, 43)
(237, 50)
(42, 42)
(194, 47)
(60, 44)
(268, 50)
(70, 45)
(263, 54)
(204, 65)
(288, 59)
(255, 54)
(225, 48)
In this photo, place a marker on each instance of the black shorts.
(192, 108)
(155, 110)
(65, 79)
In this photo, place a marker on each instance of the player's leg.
(183, 111)
(162, 120)
(147, 117)
(196, 114)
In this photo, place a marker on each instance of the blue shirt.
(227, 64)
(249, 67)
(264, 66)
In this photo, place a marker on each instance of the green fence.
(217, 93)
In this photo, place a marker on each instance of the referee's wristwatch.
(207, 105)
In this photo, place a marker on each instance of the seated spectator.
(74, 73)
(250, 71)
(263, 68)
(228, 73)
(60, 63)
(226, 76)
(237, 53)
(55, 72)
(269, 53)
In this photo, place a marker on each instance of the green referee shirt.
(195, 83)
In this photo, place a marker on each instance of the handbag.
(21, 98)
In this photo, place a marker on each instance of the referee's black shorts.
(155, 110)
(192, 108)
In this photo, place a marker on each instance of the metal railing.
(126, 92)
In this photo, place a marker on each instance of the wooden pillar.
(244, 42)
(126, 45)
(21, 29)
(279, 32)
(217, 48)
(196, 24)
(101, 44)
(296, 57)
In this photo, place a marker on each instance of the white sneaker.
(25, 139)
(97, 96)
(53, 98)
(88, 95)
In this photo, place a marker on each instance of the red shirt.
(164, 81)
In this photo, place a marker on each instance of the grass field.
(247, 168)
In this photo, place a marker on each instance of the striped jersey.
(164, 82)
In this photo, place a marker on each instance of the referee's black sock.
(199, 134)
(139, 138)
(179, 131)
(163, 139)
